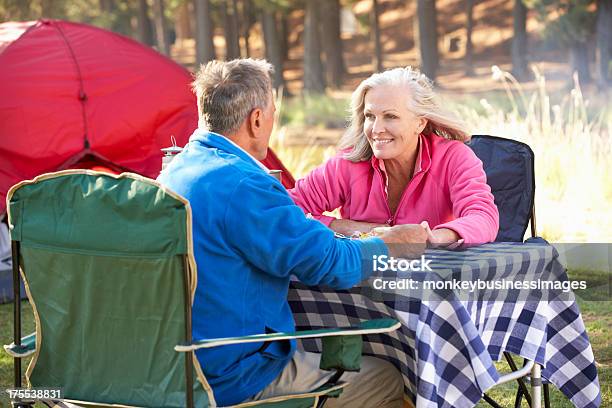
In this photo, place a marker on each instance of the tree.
(49, 9)
(145, 30)
(205, 47)
(161, 31)
(273, 45)
(572, 28)
(230, 18)
(332, 46)
(428, 37)
(182, 21)
(469, 46)
(519, 41)
(248, 17)
(375, 32)
(604, 40)
(17, 10)
(314, 78)
(107, 6)
(284, 35)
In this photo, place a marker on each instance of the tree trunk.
(469, 47)
(284, 36)
(273, 46)
(182, 22)
(375, 35)
(519, 42)
(579, 61)
(332, 44)
(161, 31)
(604, 41)
(22, 11)
(48, 8)
(205, 47)
(232, 43)
(247, 15)
(145, 30)
(314, 78)
(107, 6)
(428, 37)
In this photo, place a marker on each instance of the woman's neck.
(402, 167)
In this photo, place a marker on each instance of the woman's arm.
(323, 189)
(476, 215)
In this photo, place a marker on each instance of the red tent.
(73, 95)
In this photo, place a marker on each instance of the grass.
(597, 316)
(315, 110)
(6, 337)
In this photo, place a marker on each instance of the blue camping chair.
(509, 166)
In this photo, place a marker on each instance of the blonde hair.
(421, 101)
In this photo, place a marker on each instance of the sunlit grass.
(571, 140)
(597, 316)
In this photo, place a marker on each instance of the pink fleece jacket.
(448, 190)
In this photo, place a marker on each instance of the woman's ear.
(422, 124)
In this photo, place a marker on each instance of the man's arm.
(264, 225)
(349, 227)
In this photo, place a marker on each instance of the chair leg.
(536, 386)
(521, 382)
(189, 402)
(491, 401)
(333, 380)
(15, 253)
(546, 395)
(519, 398)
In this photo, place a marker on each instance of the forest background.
(537, 71)
(532, 70)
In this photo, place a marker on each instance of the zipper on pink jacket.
(392, 217)
(382, 188)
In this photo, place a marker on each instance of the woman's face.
(392, 130)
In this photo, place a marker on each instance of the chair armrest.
(366, 327)
(27, 347)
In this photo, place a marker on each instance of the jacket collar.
(215, 140)
(423, 162)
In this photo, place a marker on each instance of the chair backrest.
(509, 166)
(108, 266)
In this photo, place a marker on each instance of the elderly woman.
(402, 161)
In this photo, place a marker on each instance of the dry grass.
(571, 142)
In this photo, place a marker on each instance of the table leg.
(536, 386)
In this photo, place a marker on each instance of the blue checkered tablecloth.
(450, 339)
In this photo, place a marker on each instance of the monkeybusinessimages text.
(384, 263)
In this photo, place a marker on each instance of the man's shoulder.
(202, 170)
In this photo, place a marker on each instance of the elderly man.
(249, 238)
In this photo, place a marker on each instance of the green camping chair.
(108, 267)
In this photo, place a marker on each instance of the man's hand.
(403, 241)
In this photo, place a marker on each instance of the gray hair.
(421, 101)
(228, 91)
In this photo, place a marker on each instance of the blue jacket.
(249, 238)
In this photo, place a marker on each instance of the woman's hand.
(442, 238)
(350, 227)
(404, 241)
